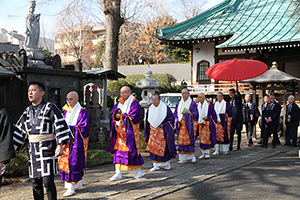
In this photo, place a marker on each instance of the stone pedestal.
(94, 115)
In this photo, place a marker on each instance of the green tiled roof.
(248, 22)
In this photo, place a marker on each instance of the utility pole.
(12, 29)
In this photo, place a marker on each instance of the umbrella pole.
(237, 87)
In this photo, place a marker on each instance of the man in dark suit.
(272, 122)
(237, 117)
(292, 122)
(264, 107)
(250, 117)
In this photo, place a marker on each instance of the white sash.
(156, 115)
(220, 108)
(203, 111)
(72, 117)
(183, 104)
(126, 106)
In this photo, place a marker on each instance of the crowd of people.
(59, 140)
(214, 125)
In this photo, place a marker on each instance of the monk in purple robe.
(125, 142)
(78, 120)
(159, 134)
(223, 111)
(206, 126)
(186, 118)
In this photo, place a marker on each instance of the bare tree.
(115, 13)
(45, 42)
(114, 20)
(187, 9)
(148, 46)
(74, 36)
(129, 33)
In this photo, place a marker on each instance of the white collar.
(156, 115)
(220, 108)
(126, 106)
(203, 111)
(72, 117)
(183, 104)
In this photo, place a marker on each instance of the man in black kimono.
(47, 131)
(7, 151)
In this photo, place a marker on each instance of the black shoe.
(260, 142)
(230, 148)
(273, 146)
(293, 145)
(263, 146)
(238, 149)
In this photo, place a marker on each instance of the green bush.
(142, 142)
(19, 167)
(98, 157)
(130, 80)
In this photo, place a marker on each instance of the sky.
(13, 12)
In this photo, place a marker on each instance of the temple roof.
(102, 73)
(245, 22)
(5, 72)
(273, 75)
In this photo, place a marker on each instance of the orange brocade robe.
(157, 142)
(183, 136)
(121, 137)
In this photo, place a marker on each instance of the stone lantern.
(147, 85)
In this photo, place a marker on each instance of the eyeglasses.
(123, 92)
(69, 99)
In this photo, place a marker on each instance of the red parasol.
(236, 70)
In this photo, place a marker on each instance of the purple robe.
(130, 157)
(213, 136)
(189, 123)
(170, 149)
(224, 123)
(76, 156)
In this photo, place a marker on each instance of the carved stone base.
(35, 54)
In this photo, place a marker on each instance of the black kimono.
(45, 120)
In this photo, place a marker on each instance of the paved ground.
(276, 177)
(211, 178)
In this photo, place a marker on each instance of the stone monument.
(32, 34)
(147, 85)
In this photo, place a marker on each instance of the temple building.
(264, 30)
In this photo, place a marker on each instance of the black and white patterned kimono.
(44, 120)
